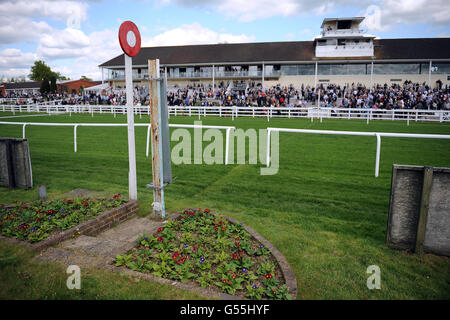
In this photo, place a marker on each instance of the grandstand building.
(341, 54)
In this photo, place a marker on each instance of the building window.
(357, 68)
(289, 70)
(440, 68)
(396, 68)
(306, 69)
(344, 24)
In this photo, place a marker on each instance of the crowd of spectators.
(396, 96)
(406, 96)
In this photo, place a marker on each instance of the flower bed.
(201, 248)
(36, 221)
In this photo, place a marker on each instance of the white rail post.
(377, 160)
(148, 141)
(227, 145)
(23, 130)
(75, 138)
(268, 147)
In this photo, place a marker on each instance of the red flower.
(50, 211)
(195, 248)
(216, 228)
(160, 229)
(117, 196)
(207, 211)
(175, 255)
(268, 276)
(160, 239)
(223, 228)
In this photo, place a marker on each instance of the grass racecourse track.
(324, 209)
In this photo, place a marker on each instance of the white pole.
(377, 160)
(132, 182)
(148, 141)
(429, 73)
(75, 138)
(213, 80)
(227, 145)
(315, 76)
(371, 75)
(268, 147)
(262, 83)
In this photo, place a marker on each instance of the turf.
(324, 209)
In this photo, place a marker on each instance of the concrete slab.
(67, 258)
(131, 230)
(96, 246)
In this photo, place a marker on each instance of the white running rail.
(378, 135)
(76, 125)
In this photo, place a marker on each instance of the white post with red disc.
(130, 41)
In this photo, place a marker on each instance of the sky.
(74, 37)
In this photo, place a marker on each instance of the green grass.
(324, 210)
(22, 278)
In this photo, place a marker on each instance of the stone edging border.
(89, 227)
(288, 274)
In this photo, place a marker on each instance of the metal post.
(429, 73)
(227, 145)
(371, 75)
(262, 84)
(315, 76)
(268, 148)
(213, 80)
(377, 160)
(132, 181)
(75, 138)
(157, 153)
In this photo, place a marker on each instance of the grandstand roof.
(384, 49)
(23, 85)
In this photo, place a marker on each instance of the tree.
(40, 70)
(45, 86)
(53, 85)
(85, 78)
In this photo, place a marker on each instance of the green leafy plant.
(208, 250)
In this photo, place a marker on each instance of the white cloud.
(388, 13)
(15, 63)
(433, 12)
(59, 10)
(193, 33)
(17, 29)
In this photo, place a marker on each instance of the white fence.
(378, 135)
(76, 125)
(235, 111)
(228, 129)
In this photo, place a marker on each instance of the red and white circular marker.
(129, 38)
